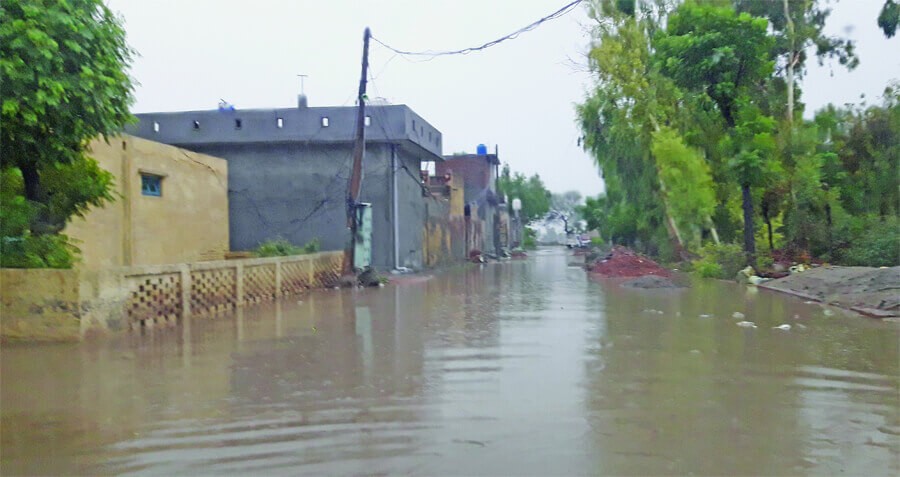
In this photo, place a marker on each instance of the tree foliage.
(63, 65)
(721, 54)
(889, 18)
(530, 190)
(687, 122)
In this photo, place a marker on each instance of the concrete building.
(171, 206)
(479, 173)
(288, 171)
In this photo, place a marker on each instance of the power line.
(562, 11)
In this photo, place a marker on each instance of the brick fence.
(61, 305)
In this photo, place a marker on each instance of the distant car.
(575, 241)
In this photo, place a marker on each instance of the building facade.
(171, 206)
(479, 173)
(288, 171)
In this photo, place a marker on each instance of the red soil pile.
(625, 263)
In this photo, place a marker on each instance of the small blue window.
(151, 185)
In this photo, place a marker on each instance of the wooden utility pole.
(359, 150)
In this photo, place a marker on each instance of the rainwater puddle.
(525, 367)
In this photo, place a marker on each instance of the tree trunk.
(671, 226)
(768, 219)
(40, 222)
(749, 241)
(712, 229)
(32, 180)
(790, 65)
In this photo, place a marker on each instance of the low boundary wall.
(67, 305)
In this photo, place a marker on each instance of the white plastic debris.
(756, 280)
(737, 314)
(705, 316)
(746, 324)
(785, 327)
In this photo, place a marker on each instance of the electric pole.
(359, 151)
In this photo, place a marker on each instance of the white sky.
(518, 95)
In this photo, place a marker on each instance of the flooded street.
(524, 367)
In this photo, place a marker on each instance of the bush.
(42, 251)
(597, 242)
(282, 248)
(720, 261)
(530, 242)
(707, 268)
(312, 246)
(878, 245)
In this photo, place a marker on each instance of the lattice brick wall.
(327, 269)
(295, 277)
(259, 283)
(213, 290)
(154, 299)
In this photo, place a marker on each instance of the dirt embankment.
(871, 291)
(621, 262)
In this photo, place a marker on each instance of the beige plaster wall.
(187, 223)
(39, 304)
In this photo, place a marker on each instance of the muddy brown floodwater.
(527, 367)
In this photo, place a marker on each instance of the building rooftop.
(491, 158)
(396, 124)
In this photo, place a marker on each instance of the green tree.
(530, 190)
(889, 18)
(798, 27)
(63, 74)
(688, 181)
(716, 52)
(618, 118)
(567, 204)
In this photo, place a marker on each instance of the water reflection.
(677, 388)
(522, 367)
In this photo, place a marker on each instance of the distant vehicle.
(576, 241)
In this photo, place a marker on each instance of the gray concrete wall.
(411, 217)
(298, 192)
(288, 172)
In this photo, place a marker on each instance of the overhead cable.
(562, 11)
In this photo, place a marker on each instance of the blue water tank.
(481, 150)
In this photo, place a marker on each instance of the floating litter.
(705, 316)
(785, 327)
(746, 324)
(737, 314)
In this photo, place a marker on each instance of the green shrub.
(312, 246)
(530, 242)
(707, 269)
(42, 251)
(280, 247)
(597, 242)
(877, 245)
(720, 261)
(764, 261)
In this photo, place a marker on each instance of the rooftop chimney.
(302, 100)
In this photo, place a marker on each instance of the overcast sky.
(518, 95)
